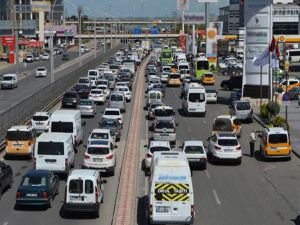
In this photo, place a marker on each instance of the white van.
(194, 100)
(54, 152)
(171, 196)
(68, 121)
(154, 96)
(84, 191)
(129, 65)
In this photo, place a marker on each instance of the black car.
(82, 90)
(5, 177)
(113, 125)
(70, 99)
(65, 56)
(234, 82)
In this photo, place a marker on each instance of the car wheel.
(10, 182)
(112, 172)
(239, 161)
(50, 203)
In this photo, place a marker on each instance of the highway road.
(253, 193)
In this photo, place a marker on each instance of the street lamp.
(51, 45)
(79, 11)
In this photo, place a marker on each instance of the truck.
(146, 46)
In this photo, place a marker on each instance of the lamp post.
(79, 11)
(51, 46)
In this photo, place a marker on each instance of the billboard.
(194, 18)
(40, 5)
(219, 26)
(211, 45)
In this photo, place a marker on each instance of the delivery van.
(54, 152)
(68, 121)
(171, 196)
(194, 100)
(20, 140)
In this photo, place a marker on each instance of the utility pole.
(95, 41)
(79, 11)
(16, 27)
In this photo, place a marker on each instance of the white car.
(195, 153)
(97, 96)
(164, 77)
(113, 113)
(45, 56)
(224, 146)
(125, 91)
(211, 95)
(100, 155)
(225, 62)
(41, 121)
(101, 134)
(121, 84)
(41, 72)
(106, 90)
(155, 146)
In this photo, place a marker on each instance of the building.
(223, 16)
(234, 16)
(5, 9)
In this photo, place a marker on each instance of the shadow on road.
(142, 211)
(296, 221)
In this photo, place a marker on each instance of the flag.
(263, 58)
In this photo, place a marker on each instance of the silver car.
(242, 110)
(87, 107)
(117, 100)
(165, 130)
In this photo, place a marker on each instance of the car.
(9, 81)
(100, 155)
(164, 77)
(38, 187)
(294, 93)
(113, 113)
(45, 56)
(97, 96)
(41, 72)
(87, 107)
(224, 146)
(159, 87)
(155, 146)
(164, 112)
(106, 90)
(235, 82)
(65, 56)
(36, 56)
(125, 91)
(29, 58)
(40, 121)
(165, 130)
(151, 108)
(83, 90)
(102, 134)
(113, 125)
(211, 95)
(227, 123)
(121, 84)
(208, 79)
(85, 80)
(242, 110)
(6, 176)
(195, 153)
(70, 100)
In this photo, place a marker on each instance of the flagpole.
(260, 103)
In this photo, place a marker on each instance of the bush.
(279, 121)
(263, 111)
(212, 67)
(273, 108)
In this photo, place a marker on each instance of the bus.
(293, 55)
(166, 56)
(201, 66)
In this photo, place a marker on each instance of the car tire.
(50, 203)
(10, 182)
(239, 161)
(112, 172)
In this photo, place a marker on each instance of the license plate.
(209, 95)
(97, 160)
(194, 160)
(18, 145)
(164, 135)
(74, 198)
(162, 209)
(227, 150)
(31, 195)
(273, 148)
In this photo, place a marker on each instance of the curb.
(258, 120)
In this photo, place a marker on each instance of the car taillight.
(149, 155)
(217, 147)
(192, 210)
(18, 195)
(86, 156)
(238, 148)
(45, 194)
(150, 210)
(109, 156)
(96, 193)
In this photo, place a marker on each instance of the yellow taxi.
(275, 143)
(20, 140)
(208, 78)
(174, 80)
(291, 84)
(227, 123)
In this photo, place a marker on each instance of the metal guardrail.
(42, 100)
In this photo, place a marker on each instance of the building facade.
(223, 16)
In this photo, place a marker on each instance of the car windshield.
(50, 148)
(98, 150)
(159, 149)
(40, 118)
(84, 81)
(194, 149)
(243, 106)
(222, 124)
(34, 181)
(196, 97)
(227, 142)
(85, 103)
(70, 95)
(108, 123)
(96, 92)
(208, 75)
(93, 73)
(96, 135)
(164, 112)
(116, 98)
(63, 127)
(164, 124)
(112, 113)
(41, 69)
(154, 96)
(7, 78)
(18, 135)
(202, 65)
(277, 138)
(174, 76)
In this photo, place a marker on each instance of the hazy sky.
(137, 8)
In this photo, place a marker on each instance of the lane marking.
(216, 197)
(207, 174)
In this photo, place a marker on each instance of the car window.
(89, 187)
(96, 92)
(164, 124)
(243, 106)
(277, 138)
(112, 113)
(65, 127)
(98, 150)
(164, 112)
(18, 135)
(50, 148)
(99, 136)
(85, 103)
(40, 118)
(221, 124)
(227, 142)
(76, 186)
(116, 98)
(34, 181)
(196, 97)
(159, 149)
(70, 95)
(194, 149)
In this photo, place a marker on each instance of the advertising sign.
(219, 26)
(194, 18)
(182, 40)
(183, 5)
(39, 5)
(211, 45)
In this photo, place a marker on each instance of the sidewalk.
(294, 123)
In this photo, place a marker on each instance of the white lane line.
(216, 197)
(207, 174)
